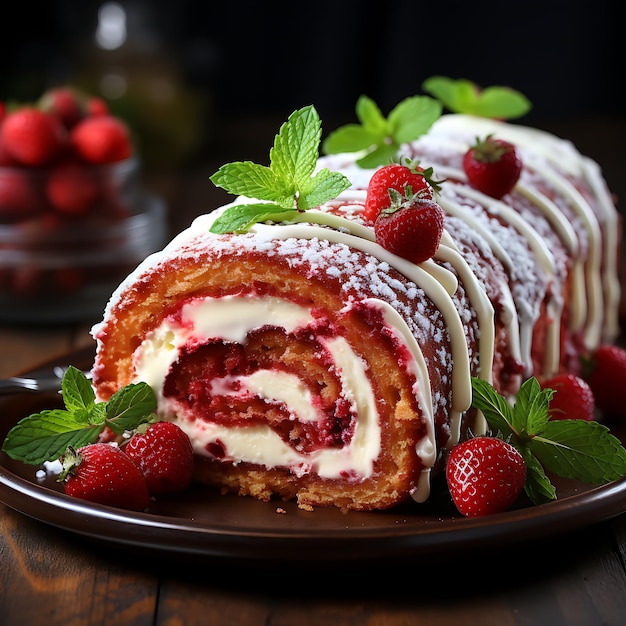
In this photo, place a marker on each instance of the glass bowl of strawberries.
(74, 216)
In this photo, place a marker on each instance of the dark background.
(234, 70)
(256, 58)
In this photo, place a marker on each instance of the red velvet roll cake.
(305, 361)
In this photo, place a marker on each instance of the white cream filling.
(230, 319)
(274, 387)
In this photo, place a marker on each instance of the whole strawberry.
(32, 137)
(71, 188)
(6, 160)
(573, 398)
(492, 166)
(411, 227)
(101, 139)
(485, 475)
(97, 106)
(103, 473)
(64, 102)
(19, 196)
(165, 457)
(396, 176)
(605, 371)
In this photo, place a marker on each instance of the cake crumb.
(281, 510)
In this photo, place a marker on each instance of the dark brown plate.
(203, 524)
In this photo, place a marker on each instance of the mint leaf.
(296, 148)
(497, 410)
(97, 413)
(130, 406)
(239, 218)
(464, 96)
(502, 103)
(45, 436)
(76, 390)
(380, 155)
(413, 117)
(324, 186)
(581, 450)
(576, 449)
(350, 138)
(288, 184)
(537, 486)
(244, 178)
(371, 131)
(382, 137)
(530, 413)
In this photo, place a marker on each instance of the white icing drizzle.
(461, 385)
(596, 292)
(593, 273)
(611, 229)
(427, 447)
(496, 207)
(545, 261)
(565, 230)
(452, 207)
(485, 313)
(525, 317)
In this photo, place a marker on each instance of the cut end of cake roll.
(277, 357)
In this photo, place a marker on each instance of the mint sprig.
(576, 449)
(288, 186)
(464, 96)
(381, 137)
(45, 436)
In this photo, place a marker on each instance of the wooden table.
(52, 577)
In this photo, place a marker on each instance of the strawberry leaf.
(289, 183)
(464, 96)
(381, 138)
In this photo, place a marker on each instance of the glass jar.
(68, 235)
